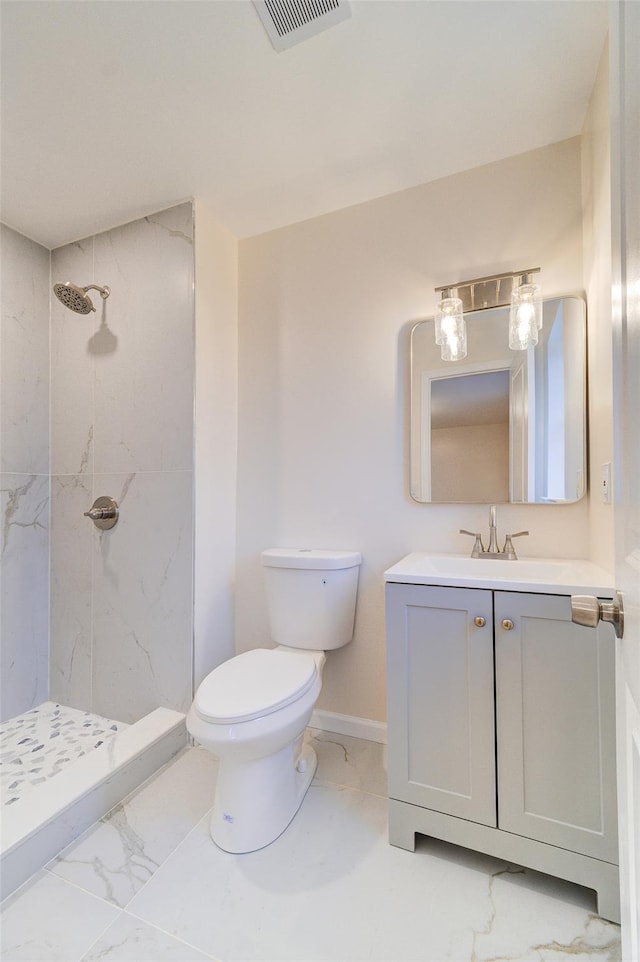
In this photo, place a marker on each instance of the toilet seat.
(254, 684)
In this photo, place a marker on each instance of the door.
(440, 699)
(555, 721)
(625, 184)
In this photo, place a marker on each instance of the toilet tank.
(311, 594)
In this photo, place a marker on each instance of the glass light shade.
(448, 313)
(454, 338)
(525, 317)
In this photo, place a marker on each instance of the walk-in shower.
(76, 298)
(97, 635)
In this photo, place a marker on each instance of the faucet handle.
(509, 550)
(478, 547)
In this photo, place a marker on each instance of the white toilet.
(252, 710)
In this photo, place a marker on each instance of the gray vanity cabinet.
(501, 730)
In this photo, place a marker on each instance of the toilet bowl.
(252, 711)
(264, 769)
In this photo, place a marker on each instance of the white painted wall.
(596, 144)
(216, 311)
(325, 310)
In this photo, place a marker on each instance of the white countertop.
(541, 575)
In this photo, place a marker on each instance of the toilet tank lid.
(310, 558)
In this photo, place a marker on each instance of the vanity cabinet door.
(555, 723)
(441, 699)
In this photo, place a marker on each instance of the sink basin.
(496, 569)
(557, 575)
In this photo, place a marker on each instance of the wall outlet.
(605, 485)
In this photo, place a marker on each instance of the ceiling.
(112, 110)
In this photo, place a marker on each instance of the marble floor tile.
(51, 920)
(130, 940)
(352, 762)
(119, 854)
(330, 889)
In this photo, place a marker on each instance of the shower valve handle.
(103, 512)
(97, 514)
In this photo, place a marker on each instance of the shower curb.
(48, 820)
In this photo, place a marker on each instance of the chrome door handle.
(588, 611)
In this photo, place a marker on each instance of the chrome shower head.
(76, 298)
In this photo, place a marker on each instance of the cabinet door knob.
(479, 622)
(507, 624)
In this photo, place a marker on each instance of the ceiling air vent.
(291, 21)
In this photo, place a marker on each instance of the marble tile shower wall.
(24, 467)
(122, 425)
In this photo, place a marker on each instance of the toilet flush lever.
(588, 611)
(103, 512)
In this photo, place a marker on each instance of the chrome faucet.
(493, 551)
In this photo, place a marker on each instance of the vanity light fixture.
(514, 288)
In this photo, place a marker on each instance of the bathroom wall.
(216, 407)
(596, 193)
(122, 425)
(24, 466)
(325, 311)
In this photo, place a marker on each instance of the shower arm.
(104, 291)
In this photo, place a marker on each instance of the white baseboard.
(332, 721)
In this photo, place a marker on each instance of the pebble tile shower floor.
(40, 743)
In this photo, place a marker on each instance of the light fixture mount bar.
(483, 292)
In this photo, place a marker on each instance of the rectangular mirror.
(501, 425)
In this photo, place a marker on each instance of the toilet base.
(256, 800)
